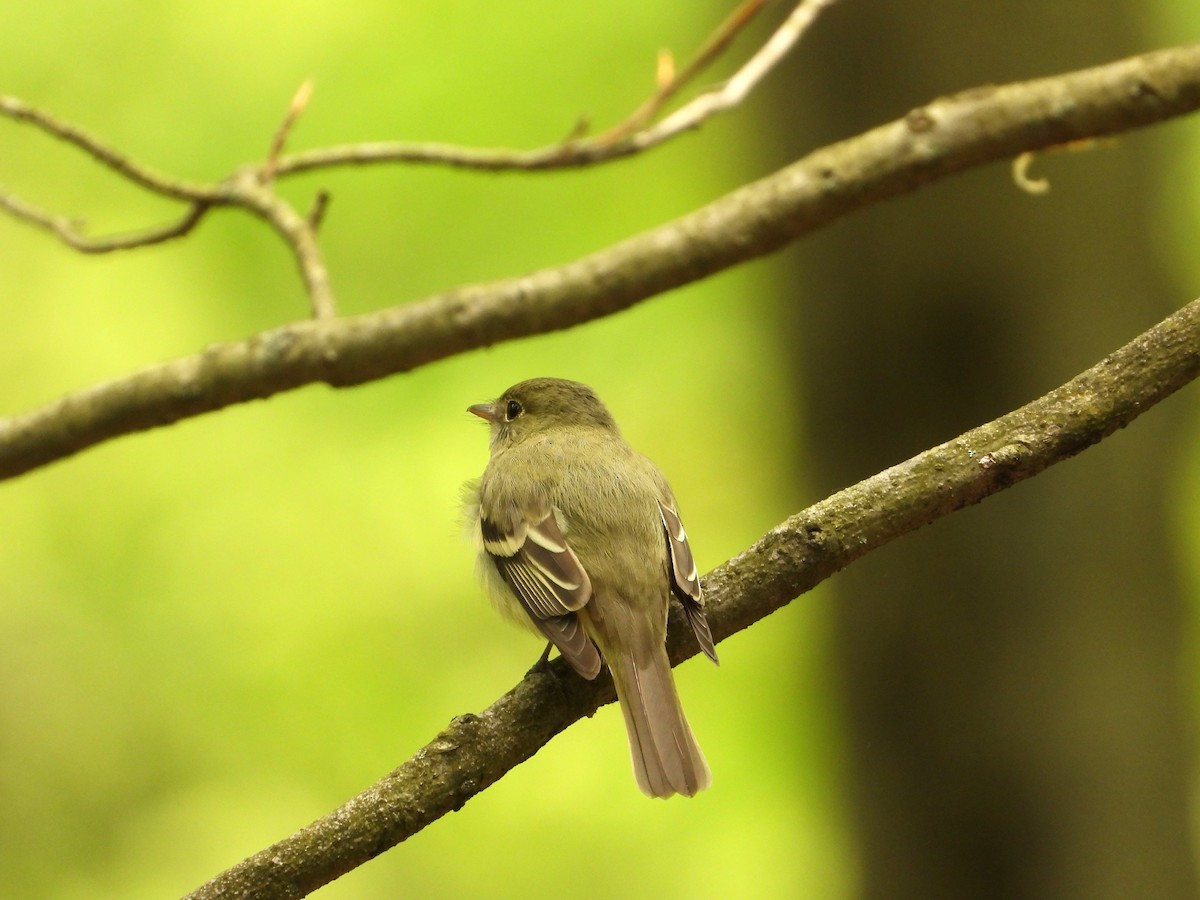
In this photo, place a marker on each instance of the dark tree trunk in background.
(1016, 720)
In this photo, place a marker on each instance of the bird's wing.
(685, 580)
(548, 580)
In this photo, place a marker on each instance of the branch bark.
(930, 143)
(475, 751)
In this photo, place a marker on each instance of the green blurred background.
(213, 633)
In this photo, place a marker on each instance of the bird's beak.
(484, 411)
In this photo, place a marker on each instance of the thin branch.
(252, 187)
(737, 88)
(246, 189)
(671, 82)
(475, 751)
(68, 231)
(143, 176)
(929, 144)
(316, 213)
(620, 141)
(279, 140)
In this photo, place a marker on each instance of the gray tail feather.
(666, 758)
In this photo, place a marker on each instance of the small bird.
(579, 539)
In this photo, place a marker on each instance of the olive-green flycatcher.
(579, 539)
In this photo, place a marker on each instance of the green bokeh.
(213, 633)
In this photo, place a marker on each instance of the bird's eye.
(512, 410)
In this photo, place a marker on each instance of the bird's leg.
(543, 662)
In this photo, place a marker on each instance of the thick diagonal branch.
(477, 750)
(933, 142)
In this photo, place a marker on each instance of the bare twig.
(475, 751)
(256, 194)
(671, 82)
(316, 213)
(245, 189)
(735, 90)
(69, 232)
(620, 141)
(279, 140)
(248, 191)
(140, 175)
(929, 144)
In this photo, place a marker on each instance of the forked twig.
(251, 187)
(671, 82)
(250, 193)
(620, 141)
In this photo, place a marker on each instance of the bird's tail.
(666, 758)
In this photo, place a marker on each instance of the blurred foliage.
(213, 633)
